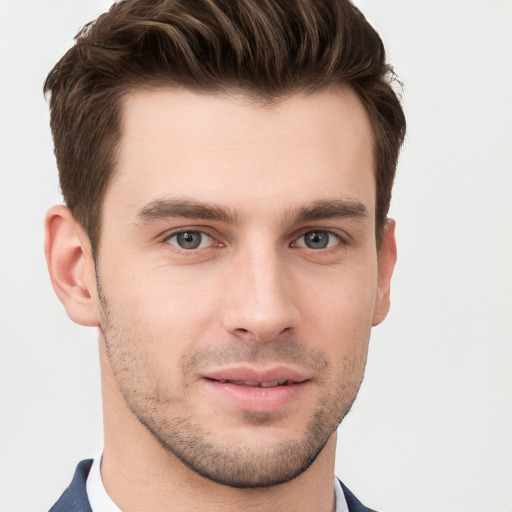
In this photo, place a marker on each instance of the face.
(238, 276)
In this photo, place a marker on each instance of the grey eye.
(190, 240)
(318, 240)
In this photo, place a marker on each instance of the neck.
(139, 474)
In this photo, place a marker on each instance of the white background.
(432, 428)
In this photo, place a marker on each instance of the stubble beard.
(243, 464)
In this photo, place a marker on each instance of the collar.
(98, 497)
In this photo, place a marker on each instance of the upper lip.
(249, 374)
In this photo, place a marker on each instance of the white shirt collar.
(341, 502)
(101, 502)
(98, 498)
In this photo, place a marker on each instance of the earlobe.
(386, 265)
(71, 266)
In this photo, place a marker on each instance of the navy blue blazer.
(74, 498)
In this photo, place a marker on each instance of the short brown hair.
(267, 49)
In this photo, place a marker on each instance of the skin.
(252, 295)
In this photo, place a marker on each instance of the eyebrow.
(330, 209)
(162, 209)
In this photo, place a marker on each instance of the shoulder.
(74, 498)
(354, 505)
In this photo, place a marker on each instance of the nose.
(259, 298)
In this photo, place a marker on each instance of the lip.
(257, 375)
(225, 385)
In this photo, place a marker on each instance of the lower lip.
(256, 398)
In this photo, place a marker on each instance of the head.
(263, 50)
(228, 169)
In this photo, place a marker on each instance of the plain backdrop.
(431, 430)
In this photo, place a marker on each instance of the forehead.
(241, 153)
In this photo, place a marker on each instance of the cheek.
(167, 307)
(343, 300)
(156, 321)
(340, 313)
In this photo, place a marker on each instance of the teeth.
(270, 384)
(244, 383)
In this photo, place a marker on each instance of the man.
(227, 171)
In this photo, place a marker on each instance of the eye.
(318, 240)
(189, 240)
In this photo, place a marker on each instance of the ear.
(71, 266)
(386, 264)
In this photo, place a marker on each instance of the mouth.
(254, 377)
(255, 384)
(255, 390)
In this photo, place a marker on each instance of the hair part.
(264, 49)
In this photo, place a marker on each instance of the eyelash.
(344, 240)
(194, 229)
